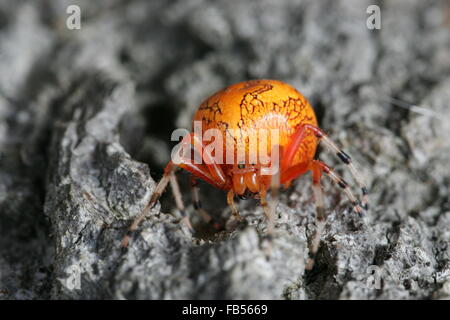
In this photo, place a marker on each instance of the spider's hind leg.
(318, 168)
(347, 160)
(297, 139)
(340, 182)
(320, 214)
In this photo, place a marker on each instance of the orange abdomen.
(240, 112)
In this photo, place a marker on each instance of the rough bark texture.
(85, 123)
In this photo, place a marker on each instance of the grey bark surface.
(85, 123)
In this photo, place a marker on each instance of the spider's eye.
(241, 166)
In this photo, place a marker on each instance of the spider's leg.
(234, 210)
(267, 212)
(270, 207)
(290, 172)
(160, 187)
(179, 199)
(215, 170)
(270, 221)
(320, 214)
(273, 181)
(199, 170)
(274, 194)
(344, 157)
(340, 182)
(347, 160)
(198, 206)
(293, 172)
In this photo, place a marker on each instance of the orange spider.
(240, 113)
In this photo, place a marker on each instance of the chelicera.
(240, 112)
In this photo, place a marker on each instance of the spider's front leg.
(210, 172)
(160, 187)
(207, 218)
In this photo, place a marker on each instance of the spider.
(237, 117)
